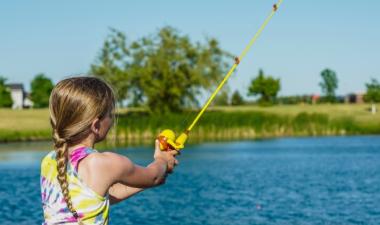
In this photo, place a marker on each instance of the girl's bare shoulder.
(107, 161)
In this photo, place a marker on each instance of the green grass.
(24, 120)
(360, 112)
(219, 123)
(24, 125)
(247, 122)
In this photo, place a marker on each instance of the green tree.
(329, 84)
(221, 99)
(5, 94)
(41, 87)
(373, 91)
(165, 71)
(267, 87)
(113, 63)
(237, 99)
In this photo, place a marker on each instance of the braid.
(62, 158)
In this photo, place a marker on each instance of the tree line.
(167, 72)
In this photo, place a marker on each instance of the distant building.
(315, 99)
(27, 101)
(19, 96)
(355, 98)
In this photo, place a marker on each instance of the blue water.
(331, 180)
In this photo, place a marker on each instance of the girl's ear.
(95, 126)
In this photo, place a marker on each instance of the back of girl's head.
(74, 103)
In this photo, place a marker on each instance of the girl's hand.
(167, 156)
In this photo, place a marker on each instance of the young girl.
(78, 183)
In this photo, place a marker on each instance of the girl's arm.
(122, 170)
(119, 192)
(103, 170)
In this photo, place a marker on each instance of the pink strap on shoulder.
(77, 155)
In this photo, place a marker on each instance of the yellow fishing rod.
(167, 137)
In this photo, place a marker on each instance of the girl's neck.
(88, 142)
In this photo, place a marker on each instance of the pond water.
(327, 180)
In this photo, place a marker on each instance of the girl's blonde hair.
(74, 104)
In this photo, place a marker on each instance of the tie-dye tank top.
(90, 206)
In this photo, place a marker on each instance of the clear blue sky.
(61, 38)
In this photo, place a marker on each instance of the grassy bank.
(230, 125)
(220, 123)
(24, 125)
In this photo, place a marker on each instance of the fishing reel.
(168, 140)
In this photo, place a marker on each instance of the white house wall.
(18, 99)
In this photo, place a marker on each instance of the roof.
(16, 86)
